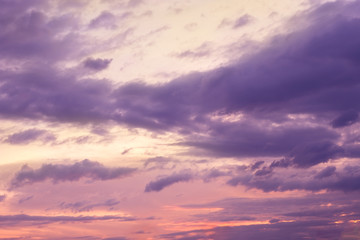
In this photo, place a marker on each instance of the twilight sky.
(180, 119)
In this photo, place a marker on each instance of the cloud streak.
(61, 173)
(163, 182)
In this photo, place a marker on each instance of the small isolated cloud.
(2, 197)
(30, 135)
(239, 22)
(201, 51)
(97, 64)
(61, 173)
(166, 181)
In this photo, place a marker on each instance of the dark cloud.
(29, 136)
(257, 164)
(295, 74)
(330, 179)
(60, 173)
(326, 172)
(97, 64)
(166, 181)
(248, 139)
(310, 154)
(345, 119)
(28, 33)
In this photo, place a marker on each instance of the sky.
(179, 119)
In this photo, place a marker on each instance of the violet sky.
(188, 120)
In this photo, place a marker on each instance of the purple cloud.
(85, 206)
(97, 64)
(105, 20)
(61, 173)
(283, 215)
(14, 220)
(326, 172)
(166, 181)
(30, 135)
(346, 180)
(242, 21)
(345, 119)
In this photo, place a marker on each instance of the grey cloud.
(61, 172)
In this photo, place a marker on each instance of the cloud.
(244, 138)
(201, 51)
(97, 64)
(310, 154)
(326, 172)
(329, 178)
(85, 206)
(292, 230)
(20, 219)
(61, 173)
(30, 135)
(345, 119)
(166, 181)
(105, 20)
(29, 33)
(242, 21)
(311, 78)
(282, 214)
(134, 3)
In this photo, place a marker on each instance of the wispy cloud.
(61, 173)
